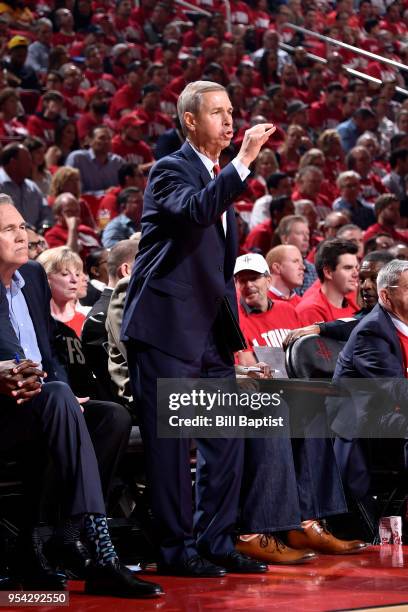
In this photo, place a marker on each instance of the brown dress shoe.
(272, 550)
(318, 538)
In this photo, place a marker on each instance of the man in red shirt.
(129, 144)
(263, 321)
(65, 24)
(158, 75)
(359, 160)
(72, 78)
(149, 113)
(260, 237)
(308, 185)
(126, 22)
(287, 270)
(327, 113)
(97, 101)
(387, 212)
(129, 175)
(44, 123)
(245, 75)
(314, 88)
(191, 70)
(68, 230)
(94, 73)
(337, 268)
(126, 98)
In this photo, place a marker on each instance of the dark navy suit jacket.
(185, 264)
(373, 351)
(37, 295)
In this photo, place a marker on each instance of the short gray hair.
(390, 274)
(43, 21)
(348, 174)
(189, 100)
(5, 199)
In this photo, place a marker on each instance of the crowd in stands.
(88, 95)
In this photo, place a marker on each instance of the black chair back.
(312, 357)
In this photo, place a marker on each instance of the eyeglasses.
(403, 287)
(34, 245)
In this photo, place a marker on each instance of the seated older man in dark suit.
(48, 418)
(378, 349)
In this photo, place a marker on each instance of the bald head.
(66, 205)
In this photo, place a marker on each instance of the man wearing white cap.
(264, 322)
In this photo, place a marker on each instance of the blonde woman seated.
(64, 270)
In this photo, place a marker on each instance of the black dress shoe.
(33, 569)
(8, 584)
(117, 580)
(237, 563)
(74, 557)
(195, 567)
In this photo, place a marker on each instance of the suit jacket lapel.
(192, 157)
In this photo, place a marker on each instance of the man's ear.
(275, 267)
(124, 270)
(384, 296)
(189, 121)
(328, 273)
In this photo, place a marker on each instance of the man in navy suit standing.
(171, 323)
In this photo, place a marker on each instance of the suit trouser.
(109, 425)
(53, 422)
(219, 461)
(288, 481)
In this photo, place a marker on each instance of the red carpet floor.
(379, 577)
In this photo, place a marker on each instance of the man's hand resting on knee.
(20, 381)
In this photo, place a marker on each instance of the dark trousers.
(109, 426)
(53, 422)
(288, 481)
(219, 461)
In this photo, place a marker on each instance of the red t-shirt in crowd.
(177, 85)
(87, 237)
(377, 228)
(315, 288)
(101, 79)
(12, 130)
(66, 40)
(109, 202)
(43, 128)
(156, 122)
(323, 117)
(74, 100)
(372, 187)
(260, 237)
(125, 98)
(268, 328)
(315, 308)
(138, 153)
